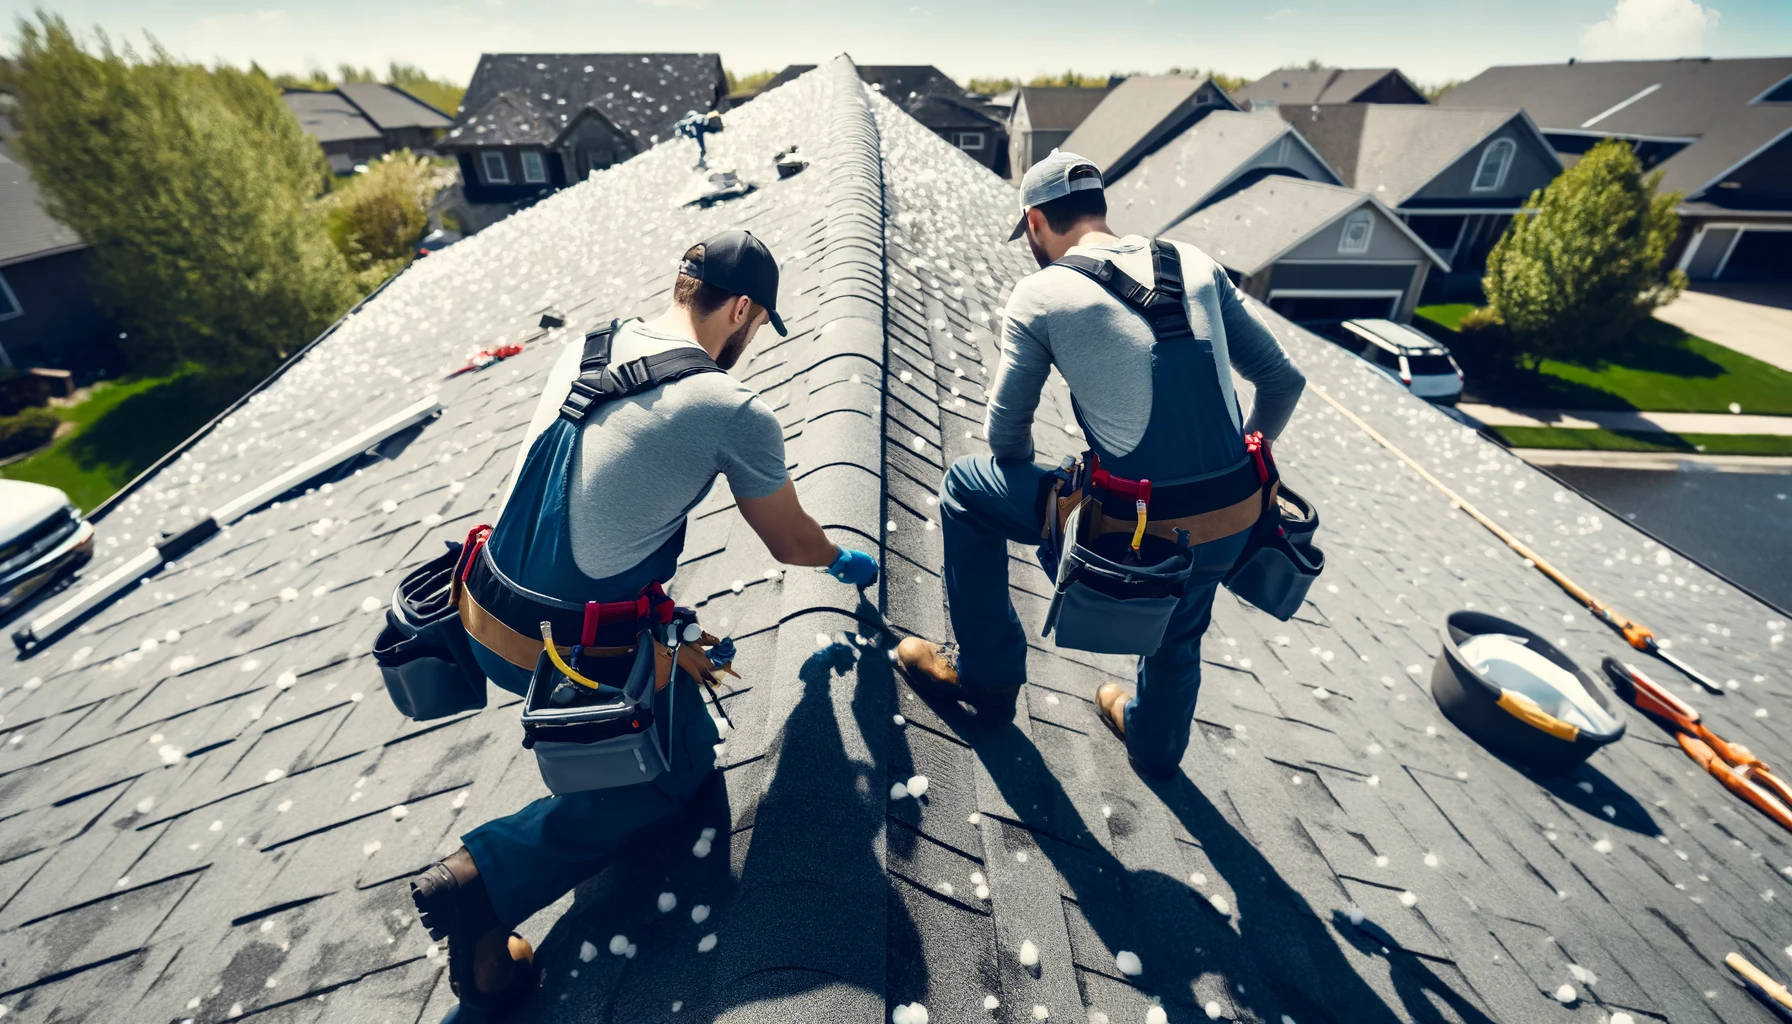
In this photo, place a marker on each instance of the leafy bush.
(27, 430)
(196, 189)
(375, 218)
(1574, 280)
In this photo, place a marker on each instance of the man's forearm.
(810, 546)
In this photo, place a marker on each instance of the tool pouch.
(1104, 605)
(423, 653)
(609, 740)
(1279, 563)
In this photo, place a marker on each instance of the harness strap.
(1160, 305)
(599, 382)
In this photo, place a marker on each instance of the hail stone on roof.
(707, 943)
(1040, 1012)
(1029, 953)
(618, 944)
(370, 847)
(1129, 964)
(587, 952)
(991, 1002)
(1407, 899)
(1566, 995)
(667, 901)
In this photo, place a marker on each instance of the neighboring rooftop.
(1393, 149)
(1253, 227)
(1722, 111)
(330, 116)
(27, 231)
(1060, 108)
(388, 107)
(518, 99)
(200, 788)
(1140, 114)
(1329, 85)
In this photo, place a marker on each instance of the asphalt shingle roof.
(197, 786)
(1172, 181)
(1393, 149)
(389, 107)
(1304, 85)
(1060, 108)
(1135, 116)
(26, 229)
(330, 116)
(529, 98)
(1247, 230)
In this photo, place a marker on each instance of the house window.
(495, 171)
(533, 169)
(968, 140)
(1496, 160)
(1357, 229)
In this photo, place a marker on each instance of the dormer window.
(1359, 227)
(495, 171)
(1496, 160)
(534, 170)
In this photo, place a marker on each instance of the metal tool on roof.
(1513, 692)
(788, 162)
(1732, 764)
(1760, 984)
(1635, 633)
(47, 626)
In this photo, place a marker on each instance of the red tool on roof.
(487, 356)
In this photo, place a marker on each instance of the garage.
(1333, 307)
(1759, 255)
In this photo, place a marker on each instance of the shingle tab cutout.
(208, 807)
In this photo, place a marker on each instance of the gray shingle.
(119, 900)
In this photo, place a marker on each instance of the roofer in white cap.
(1146, 333)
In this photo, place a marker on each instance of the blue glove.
(854, 567)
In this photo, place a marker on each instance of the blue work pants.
(984, 504)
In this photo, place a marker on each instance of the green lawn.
(1660, 369)
(121, 428)
(1646, 441)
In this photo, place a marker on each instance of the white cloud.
(1281, 15)
(1645, 29)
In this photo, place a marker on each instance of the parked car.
(42, 536)
(440, 238)
(1418, 362)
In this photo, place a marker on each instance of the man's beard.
(1039, 255)
(735, 345)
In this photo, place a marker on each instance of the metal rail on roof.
(52, 623)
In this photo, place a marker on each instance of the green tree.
(441, 93)
(375, 218)
(196, 189)
(748, 82)
(1576, 278)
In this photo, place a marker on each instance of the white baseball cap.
(1054, 177)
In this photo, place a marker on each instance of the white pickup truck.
(42, 536)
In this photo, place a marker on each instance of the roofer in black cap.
(1146, 333)
(632, 429)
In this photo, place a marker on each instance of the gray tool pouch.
(613, 742)
(1108, 607)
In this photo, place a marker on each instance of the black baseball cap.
(739, 264)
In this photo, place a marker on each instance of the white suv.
(41, 537)
(1415, 360)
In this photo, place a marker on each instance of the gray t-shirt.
(1060, 317)
(644, 462)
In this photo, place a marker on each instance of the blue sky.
(1432, 40)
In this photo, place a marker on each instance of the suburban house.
(47, 317)
(1314, 252)
(1226, 152)
(532, 123)
(358, 121)
(930, 96)
(1043, 117)
(1456, 176)
(1720, 132)
(1328, 85)
(1140, 114)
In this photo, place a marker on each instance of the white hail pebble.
(898, 791)
(917, 786)
(1029, 953)
(944, 888)
(169, 753)
(1375, 780)
(285, 805)
(631, 951)
(1622, 1018)
(1321, 693)
(700, 849)
(274, 775)
(1213, 1009)
(1156, 1015)
(699, 913)
(587, 952)
(707, 943)
(399, 811)
(737, 586)
(370, 847)
(460, 799)
(1197, 878)
(1566, 995)
(666, 902)
(286, 679)
(977, 878)
(1129, 964)
(1381, 861)
(1407, 899)
(899, 720)
(982, 892)
(1355, 914)
(1582, 975)
(618, 944)
(991, 1002)
(1431, 860)
(1220, 904)
(822, 640)
(289, 594)
(145, 804)
(911, 1013)
(1603, 846)
(1040, 1012)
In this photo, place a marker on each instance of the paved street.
(1755, 320)
(1662, 422)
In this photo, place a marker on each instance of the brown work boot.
(932, 671)
(1110, 704)
(489, 966)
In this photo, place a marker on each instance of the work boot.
(932, 671)
(1110, 704)
(489, 966)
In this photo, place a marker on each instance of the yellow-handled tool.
(1528, 711)
(1759, 983)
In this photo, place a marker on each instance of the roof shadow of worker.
(1593, 792)
(1288, 962)
(1414, 981)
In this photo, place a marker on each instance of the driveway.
(1755, 320)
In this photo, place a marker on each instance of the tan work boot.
(489, 966)
(1110, 704)
(932, 671)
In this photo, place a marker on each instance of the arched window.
(1357, 229)
(1496, 160)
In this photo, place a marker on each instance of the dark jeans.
(984, 504)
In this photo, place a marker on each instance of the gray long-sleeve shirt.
(1058, 317)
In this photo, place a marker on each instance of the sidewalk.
(1669, 461)
(1762, 329)
(1648, 422)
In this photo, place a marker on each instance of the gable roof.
(1177, 178)
(189, 819)
(1060, 108)
(329, 116)
(642, 94)
(1395, 149)
(27, 231)
(1135, 116)
(1321, 85)
(388, 107)
(1252, 228)
(1710, 103)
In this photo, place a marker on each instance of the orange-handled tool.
(1734, 780)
